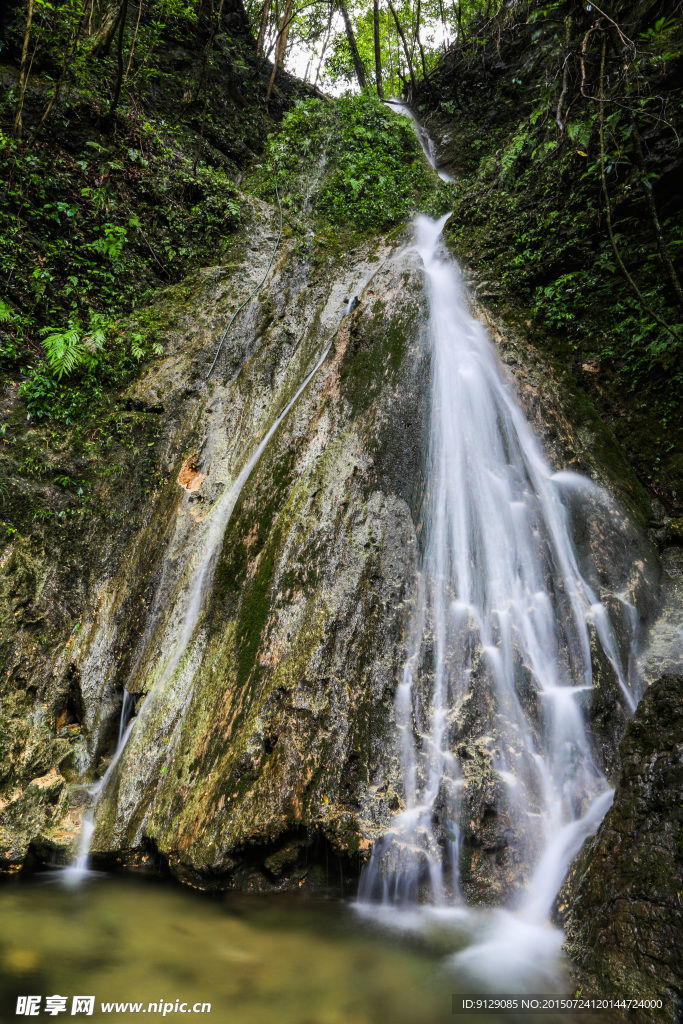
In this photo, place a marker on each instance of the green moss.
(254, 611)
(374, 349)
(266, 490)
(465, 862)
(352, 842)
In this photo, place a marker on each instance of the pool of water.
(255, 959)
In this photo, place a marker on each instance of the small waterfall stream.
(428, 147)
(503, 618)
(170, 688)
(189, 614)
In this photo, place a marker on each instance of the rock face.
(252, 594)
(622, 903)
(272, 709)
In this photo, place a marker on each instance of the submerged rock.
(622, 902)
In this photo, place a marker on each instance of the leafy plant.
(8, 342)
(141, 346)
(368, 169)
(63, 349)
(67, 349)
(112, 241)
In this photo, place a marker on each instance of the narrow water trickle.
(428, 147)
(188, 613)
(79, 869)
(499, 655)
(170, 685)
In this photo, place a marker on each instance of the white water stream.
(428, 147)
(503, 619)
(193, 605)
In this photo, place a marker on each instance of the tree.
(263, 25)
(119, 58)
(280, 44)
(399, 29)
(24, 71)
(378, 52)
(355, 56)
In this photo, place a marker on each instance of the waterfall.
(427, 144)
(502, 623)
(189, 614)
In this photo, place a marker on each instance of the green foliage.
(512, 151)
(351, 160)
(64, 350)
(662, 42)
(67, 349)
(90, 231)
(94, 359)
(529, 208)
(112, 241)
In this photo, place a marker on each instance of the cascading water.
(189, 613)
(503, 619)
(79, 869)
(428, 147)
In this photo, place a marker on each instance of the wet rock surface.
(277, 712)
(265, 742)
(621, 905)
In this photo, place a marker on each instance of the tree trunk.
(357, 62)
(419, 42)
(401, 33)
(23, 74)
(119, 59)
(132, 45)
(378, 53)
(280, 45)
(105, 33)
(215, 22)
(458, 18)
(65, 68)
(444, 28)
(391, 57)
(327, 39)
(265, 11)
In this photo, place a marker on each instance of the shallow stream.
(255, 959)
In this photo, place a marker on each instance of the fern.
(64, 350)
(512, 151)
(6, 314)
(580, 132)
(94, 341)
(137, 350)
